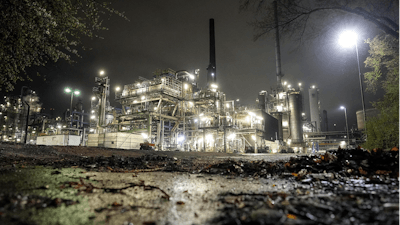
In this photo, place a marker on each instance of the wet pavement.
(67, 186)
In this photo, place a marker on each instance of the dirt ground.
(81, 185)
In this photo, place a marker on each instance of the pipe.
(277, 48)
(212, 70)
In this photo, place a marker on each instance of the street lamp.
(76, 93)
(348, 39)
(347, 126)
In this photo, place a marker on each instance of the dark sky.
(174, 34)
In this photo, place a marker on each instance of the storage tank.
(370, 113)
(296, 129)
(313, 96)
(325, 121)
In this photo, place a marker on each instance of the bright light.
(342, 143)
(58, 126)
(143, 97)
(77, 93)
(285, 123)
(67, 90)
(64, 126)
(117, 88)
(252, 114)
(101, 72)
(303, 114)
(237, 100)
(348, 38)
(186, 86)
(209, 137)
(313, 86)
(232, 136)
(212, 74)
(284, 83)
(195, 120)
(342, 107)
(214, 86)
(274, 150)
(92, 117)
(227, 106)
(200, 139)
(253, 137)
(289, 141)
(155, 108)
(299, 84)
(191, 76)
(259, 118)
(181, 138)
(144, 135)
(92, 111)
(93, 98)
(279, 108)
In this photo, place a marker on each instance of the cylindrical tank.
(314, 108)
(325, 121)
(296, 129)
(278, 116)
(369, 114)
(262, 101)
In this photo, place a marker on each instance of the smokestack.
(212, 69)
(279, 74)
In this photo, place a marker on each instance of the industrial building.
(170, 111)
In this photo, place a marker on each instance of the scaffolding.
(173, 113)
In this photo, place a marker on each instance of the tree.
(34, 32)
(302, 20)
(383, 131)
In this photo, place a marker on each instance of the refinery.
(169, 111)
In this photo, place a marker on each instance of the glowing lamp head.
(77, 93)
(214, 86)
(93, 98)
(342, 107)
(117, 88)
(348, 38)
(101, 72)
(67, 90)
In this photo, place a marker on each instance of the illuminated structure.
(172, 112)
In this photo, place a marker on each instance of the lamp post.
(76, 93)
(347, 126)
(347, 39)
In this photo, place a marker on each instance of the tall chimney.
(279, 74)
(212, 69)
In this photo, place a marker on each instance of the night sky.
(174, 34)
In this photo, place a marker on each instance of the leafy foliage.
(383, 131)
(305, 20)
(34, 32)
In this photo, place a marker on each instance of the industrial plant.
(170, 111)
